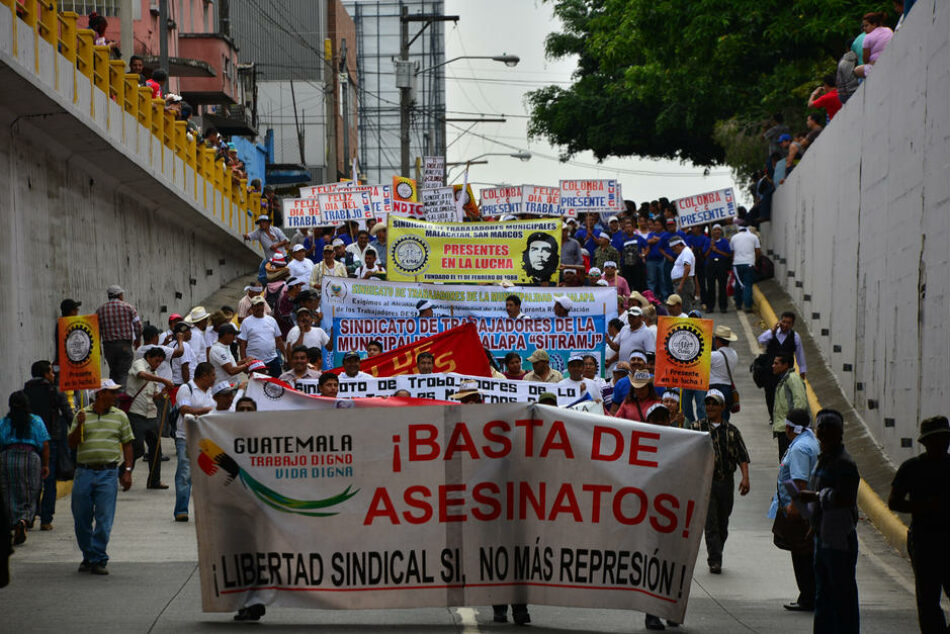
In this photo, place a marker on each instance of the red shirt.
(157, 89)
(830, 102)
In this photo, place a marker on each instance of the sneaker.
(181, 517)
(99, 569)
(165, 458)
(798, 607)
(251, 613)
(46, 527)
(85, 566)
(653, 623)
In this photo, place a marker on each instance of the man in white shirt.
(306, 334)
(358, 248)
(634, 336)
(198, 320)
(193, 399)
(723, 364)
(150, 337)
(575, 376)
(260, 337)
(351, 367)
(183, 366)
(513, 307)
(219, 355)
(299, 367)
(370, 266)
(746, 249)
(300, 265)
(683, 274)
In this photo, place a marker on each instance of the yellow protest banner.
(79, 364)
(683, 348)
(526, 252)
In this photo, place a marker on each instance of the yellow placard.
(526, 252)
(405, 189)
(683, 348)
(80, 367)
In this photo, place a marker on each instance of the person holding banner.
(513, 370)
(730, 453)
(194, 399)
(299, 366)
(541, 370)
(351, 367)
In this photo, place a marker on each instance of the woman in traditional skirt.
(24, 463)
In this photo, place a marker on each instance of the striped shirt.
(103, 436)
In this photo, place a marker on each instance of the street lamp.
(405, 76)
(521, 155)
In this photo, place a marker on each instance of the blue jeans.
(48, 501)
(94, 495)
(836, 590)
(745, 277)
(694, 405)
(655, 278)
(182, 478)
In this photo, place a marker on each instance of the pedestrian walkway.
(154, 586)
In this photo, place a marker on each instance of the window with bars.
(107, 8)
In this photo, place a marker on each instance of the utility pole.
(406, 73)
(344, 79)
(163, 37)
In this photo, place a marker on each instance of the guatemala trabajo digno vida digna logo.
(212, 458)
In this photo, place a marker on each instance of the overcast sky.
(519, 27)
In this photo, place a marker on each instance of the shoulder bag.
(124, 401)
(734, 406)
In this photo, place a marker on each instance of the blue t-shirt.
(587, 241)
(698, 243)
(620, 238)
(655, 253)
(723, 245)
(665, 244)
(37, 436)
(797, 464)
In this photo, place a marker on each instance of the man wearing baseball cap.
(562, 305)
(300, 265)
(683, 274)
(575, 374)
(922, 488)
(351, 367)
(541, 370)
(730, 453)
(102, 437)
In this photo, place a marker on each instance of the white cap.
(576, 357)
(613, 219)
(337, 243)
(610, 264)
(298, 247)
(507, 218)
(423, 304)
(594, 271)
(636, 311)
(716, 394)
(108, 384)
(295, 281)
(220, 387)
(603, 283)
(676, 241)
(564, 301)
(671, 394)
(638, 354)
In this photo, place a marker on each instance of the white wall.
(861, 235)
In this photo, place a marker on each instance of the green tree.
(654, 77)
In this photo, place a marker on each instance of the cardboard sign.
(439, 205)
(301, 212)
(683, 348)
(433, 172)
(540, 200)
(340, 206)
(499, 201)
(701, 209)
(590, 196)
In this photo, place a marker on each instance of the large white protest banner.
(343, 205)
(312, 191)
(380, 199)
(447, 506)
(343, 297)
(590, 196)
(442, 386)
(701, 209)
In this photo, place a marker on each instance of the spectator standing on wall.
(121, 332)
(746, 250)
(877, 35)
(826, 96)
(271, 238)
(815, 124)
(921, 489)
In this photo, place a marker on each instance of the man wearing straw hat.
(102, 437)
(201, 335)
(722, 365)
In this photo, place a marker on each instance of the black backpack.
(761, 369)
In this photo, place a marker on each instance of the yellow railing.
(60, 29)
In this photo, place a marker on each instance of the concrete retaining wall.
(89, 198)
(860, 235)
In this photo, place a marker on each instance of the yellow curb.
(63, 488)
(883, 518)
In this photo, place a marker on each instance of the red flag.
(456, 350)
